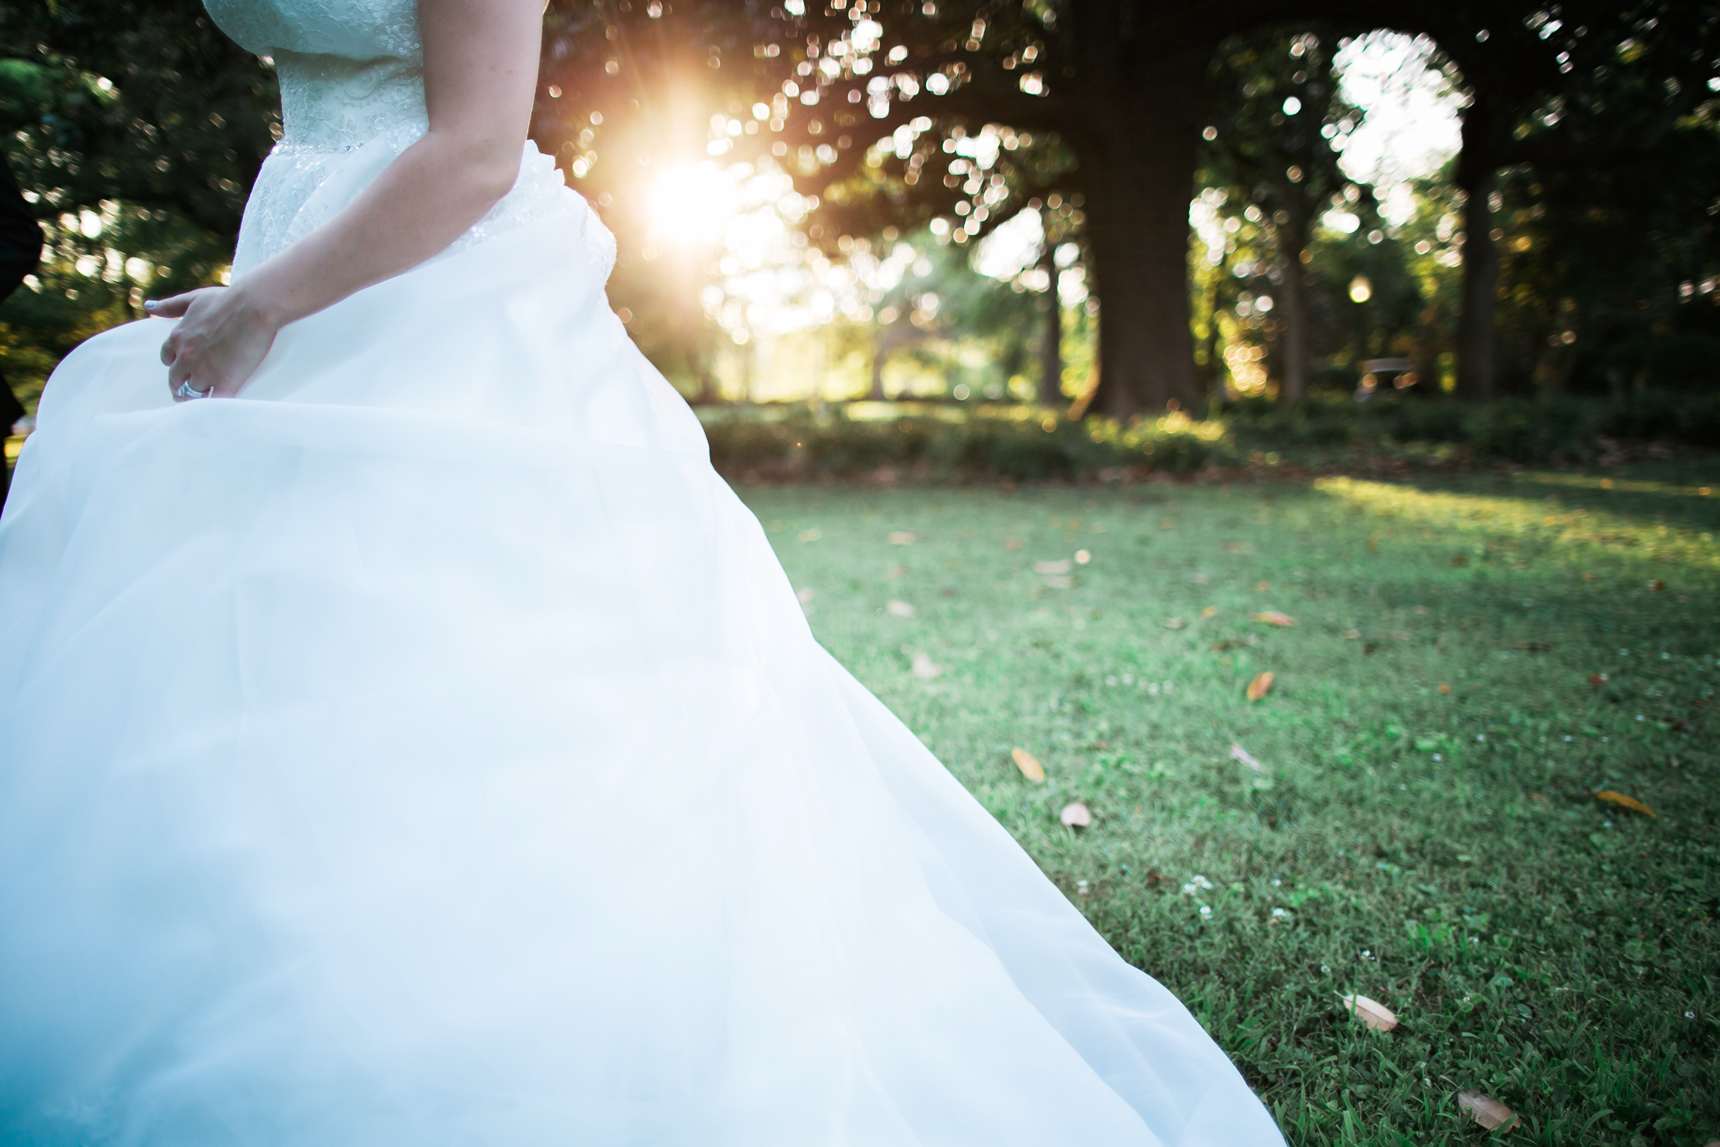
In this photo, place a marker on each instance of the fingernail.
(150, 304)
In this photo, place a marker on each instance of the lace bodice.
(348, 69)
(352, 99)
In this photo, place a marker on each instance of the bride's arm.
(480, 71)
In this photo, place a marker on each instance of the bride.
(409, 740)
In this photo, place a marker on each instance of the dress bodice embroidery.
(352, 99)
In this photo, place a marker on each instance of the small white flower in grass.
(1439, 756)
(1280, 913)
(1276, 883)
(1689, 1015)
(1205, 912)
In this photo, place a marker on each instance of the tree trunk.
(1475, 326)
(1293, 341)
(1051, 346)
(880, 352)
(1138, 170)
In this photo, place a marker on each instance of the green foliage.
(946, 441)
(1439, 852)
(1018, 443)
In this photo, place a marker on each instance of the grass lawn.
(1471, 660)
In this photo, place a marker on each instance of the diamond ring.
(187, 391)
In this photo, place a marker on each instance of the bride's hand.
(219, 342)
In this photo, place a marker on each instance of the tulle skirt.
(426, 748)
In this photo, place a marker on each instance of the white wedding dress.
(426, 748)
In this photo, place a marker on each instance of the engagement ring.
(187, 391)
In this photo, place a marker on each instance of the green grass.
(1440, 852)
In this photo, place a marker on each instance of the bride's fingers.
(169, 308)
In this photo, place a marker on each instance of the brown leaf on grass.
(1238, 548)
(1030, 768)
(1273, 617)
(925, 668)
(1657, 584)
(1262, 586)
(1173, 623)
(1076, 815)
(1257, 688)
(1587, 576)
(1623, 801)
(1238, 753)
(1167, 523)
(1058, 567)
(1350, 634)
(1209, 612)
(903, 538)
(1012, 543)
(1445, 688)
(1371, 1012)
(1486, 1110)
(1597, 679)
(1460, 559)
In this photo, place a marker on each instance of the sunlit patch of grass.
(1571, 531)
(1623, 485)
(1422, 830)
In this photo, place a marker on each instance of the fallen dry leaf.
(1350, 634)
(1173, 623)
(1273, 617)
(1371, 1012)
(1590, 576)
(1597, 679)
(1076, 815)
(1057, 567)
(1030, 768)
(1167, 523)
(897, 608)
(1623, 801)
(1258, 687)
(1486, 1110)
(1460, 559)
(1012, 543)
(1445, 688)
(1209, 611)
(1238, 548)
(903, 538)
(1238, 753)
(925, 668)
(1656, 584)
(1262, 586)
